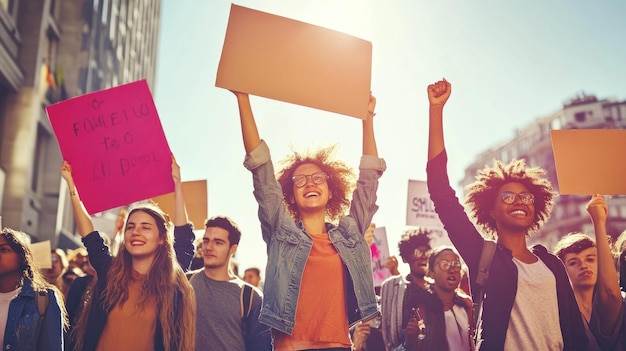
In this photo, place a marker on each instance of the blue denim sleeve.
(51, 333)
(184, 245)
(363, 205)
(267, 190)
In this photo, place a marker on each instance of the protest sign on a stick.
(292, 61)
(114, 141)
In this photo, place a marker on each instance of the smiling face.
(514, 217)
(582, 268)
(446, 279)
(311, 197)
(141, 235)
(216, 248)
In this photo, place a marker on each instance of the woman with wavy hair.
(311, 240)
(23, 289)
(142, 299)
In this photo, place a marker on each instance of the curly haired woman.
(318, 275)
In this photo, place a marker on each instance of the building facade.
(533, 144)
(51, 50)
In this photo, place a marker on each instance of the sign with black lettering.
(115, 143)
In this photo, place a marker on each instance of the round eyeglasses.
(445, 265)
(299, 180)
(509, 198)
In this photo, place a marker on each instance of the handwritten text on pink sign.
(115, 143)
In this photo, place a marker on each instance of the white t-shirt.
(534, 322)
(5, 300)
(457, 329)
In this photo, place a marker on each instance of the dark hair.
(234, 234)
(573, 243)
(411, 240)
(482, 193)
(253, 269)
(340, 180)
(20, 244)
(436, 251)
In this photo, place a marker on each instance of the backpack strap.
(486, 256)
(245, 306)
(245, 300)
(42, 299)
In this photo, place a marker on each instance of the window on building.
(580, 116)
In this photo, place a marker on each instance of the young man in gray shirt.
(227, 313)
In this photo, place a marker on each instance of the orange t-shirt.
(321, 314)
(129, 326)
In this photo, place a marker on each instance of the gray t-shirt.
(219, 324)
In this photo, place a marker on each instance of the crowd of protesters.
(154, 286)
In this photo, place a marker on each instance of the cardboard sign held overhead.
(195, 193)
(114, 141)
(590, 161)
(292, 61)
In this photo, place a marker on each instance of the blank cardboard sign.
(590, 161)
(292, 61)
(195, 193)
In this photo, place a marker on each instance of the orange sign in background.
(288, 60)
(196, 202)
(590, 161)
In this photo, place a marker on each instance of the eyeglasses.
(509, 198)
(445, 265)
(54, 259)
(299, 180)
(418, 253)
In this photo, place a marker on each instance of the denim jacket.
(289, 245)
(21, 328)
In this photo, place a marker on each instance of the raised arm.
(82, 218)
(438, 94)
(607, 285)
(249, 130)
(180, 211)
(369, 142)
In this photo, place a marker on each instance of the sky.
(509, 63)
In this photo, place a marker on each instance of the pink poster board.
(292, 61)
(115, 143)
(380, 253)
(590, 161)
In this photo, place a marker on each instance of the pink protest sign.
(115, 143)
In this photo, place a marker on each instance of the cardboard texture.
(292, 61)
(42, 254)
(420, 211)
(195, 193)
(590, 161)
(114, 141)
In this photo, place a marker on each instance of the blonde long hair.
(165, 281)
